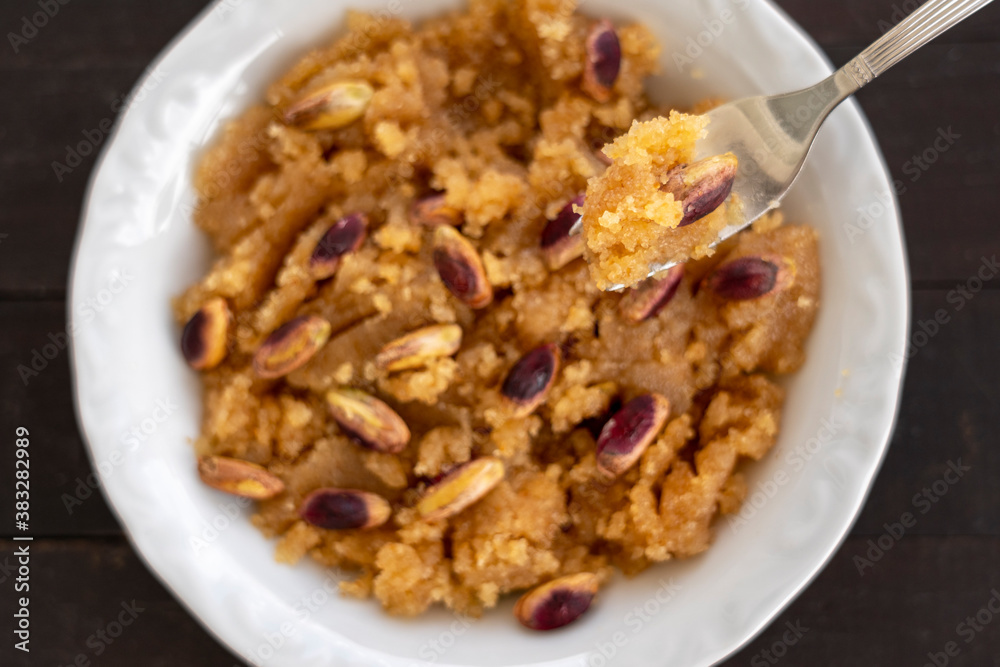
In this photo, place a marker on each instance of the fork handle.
(933, 18)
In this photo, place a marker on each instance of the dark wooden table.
(926, 591)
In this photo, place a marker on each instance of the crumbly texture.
(484, 105)
(629, 222)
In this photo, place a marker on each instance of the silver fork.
(771, 136)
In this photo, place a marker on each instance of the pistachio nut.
(345, 509)
(367, 419)
(529, 380)
(558, 602)
(204, 339)
(330, 107)
(415, 348)
(604, 60)
(291, 346)
(461, 488)
(629, 433)
(460, 268)
(238, 477)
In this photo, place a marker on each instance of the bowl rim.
(161, 574)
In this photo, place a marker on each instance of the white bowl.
(139, 404)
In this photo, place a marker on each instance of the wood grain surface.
(909, 604)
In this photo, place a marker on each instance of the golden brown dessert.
(652, 205)
(405, 358)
